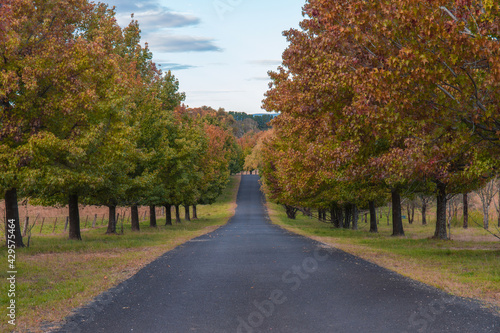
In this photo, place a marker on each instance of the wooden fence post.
(95, 220)
(26, 223)
(55, 223)
(43, 220)
(66, 224)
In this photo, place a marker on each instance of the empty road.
(252, 276)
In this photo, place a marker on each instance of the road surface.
(252, 276)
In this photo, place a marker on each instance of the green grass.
(55, 275)
(468, 267)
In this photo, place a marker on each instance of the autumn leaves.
(87, 117)
(385, 97)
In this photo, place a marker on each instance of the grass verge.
(55, 275)
(463, 268)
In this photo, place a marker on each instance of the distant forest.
(262, 120)
(240, 122)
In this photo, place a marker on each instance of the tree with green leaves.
(58, 76)
(70, 153)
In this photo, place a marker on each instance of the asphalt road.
(251, 276)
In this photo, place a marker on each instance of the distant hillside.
(249, 121)
(267, 114)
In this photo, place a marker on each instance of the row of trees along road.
(382, 98)
(87, 117)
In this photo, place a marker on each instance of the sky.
(220, 50)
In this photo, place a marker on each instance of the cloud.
(163, 42)
(159, 18)
(166, 66)
(157, 21)
(259, 78)
(151, 15)
(133, 6)
(265, 62)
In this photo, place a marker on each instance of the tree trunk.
(340, 216)
(466, 210)
(291, 212)
(373, 217)
(486, 216)
(388, 213)
(424, 212)
(397, 221)
(152, 216)
(412, 212)
(74, 218)
(355, 216)
(12, 214)
(410, 208)
(168, 214)
(334, 214)
(111, 220)
(177, 214)
(134, 218)
(498, 217)
(440, 232)
(195, 213)
(498, 192)
(408, 213)
(347, 216)
(187, 216)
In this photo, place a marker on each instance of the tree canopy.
(388, 96)
(86, 116)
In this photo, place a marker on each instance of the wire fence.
(47, 224)
(384, 213)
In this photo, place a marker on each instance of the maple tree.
(44, 90)
(155, 122)
(151, 117)
(487, 194)
(402, 93)
(87, 117)
(132, 178)
(72, 159)
(215, 164)
(216, 160)
(253, 161)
